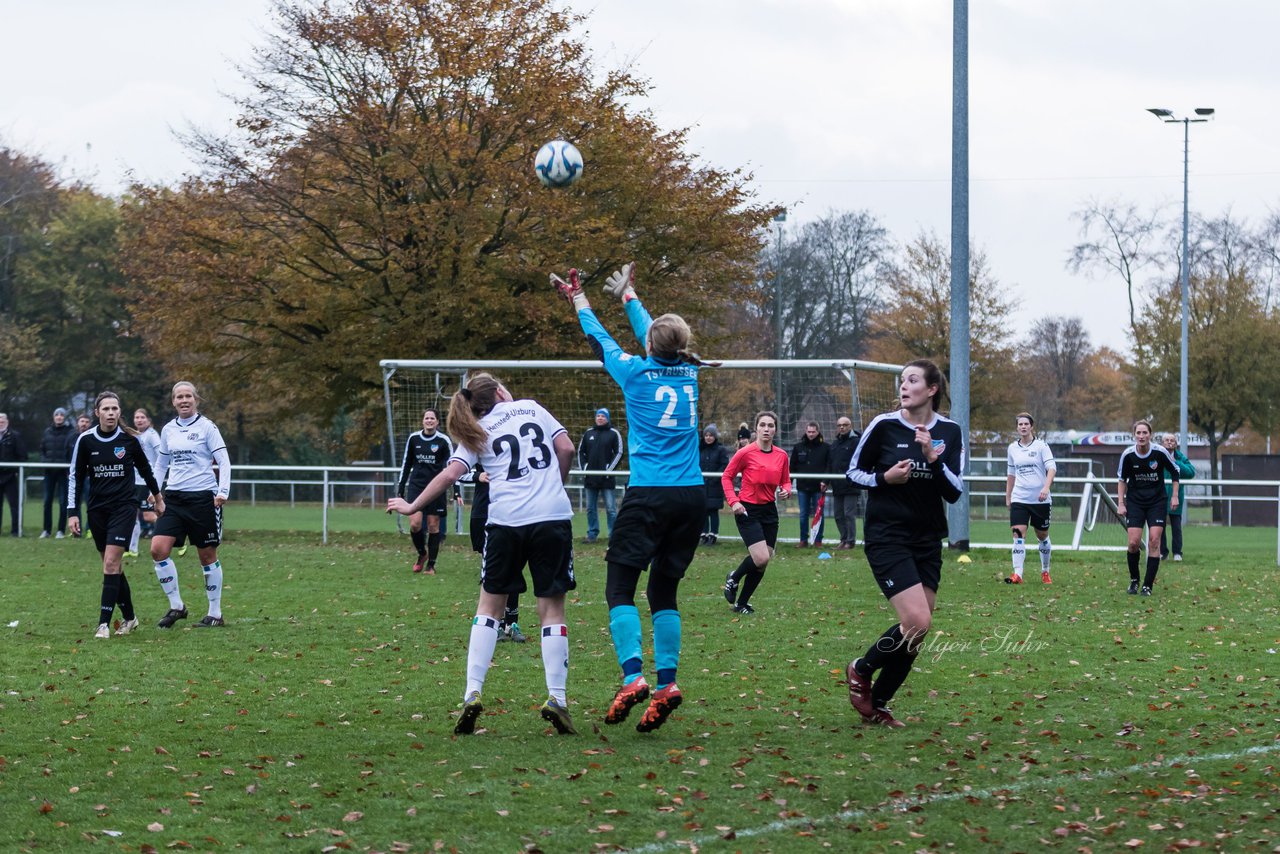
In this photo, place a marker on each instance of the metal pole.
(1186, 279)
(958, 513)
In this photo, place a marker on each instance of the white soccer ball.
(558, 164)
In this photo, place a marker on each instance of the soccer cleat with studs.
(1133, 587)
(210, 622)
(471, 709)
(104, 631)
(430, 569)
(127, 626)
(1044, 576)
(744, 608)
(730, 588)
(514, 634)
(558, 716)
(1145, 591)
(665, 701)
(418, 564)
(172, 616)
(884, 717)
(859, 691)
(1013, 579)
(628, 696)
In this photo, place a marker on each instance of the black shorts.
(1152, 515)
(759, 525)
(547, 549)
(140, 495)
(898, 566)
(658, 528)
(191, 514)
(439, 507)
(1035, 515)
(112, 525)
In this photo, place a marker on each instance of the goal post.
(799, 390)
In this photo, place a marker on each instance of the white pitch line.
(904, 803)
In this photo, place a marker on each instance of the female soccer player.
(1141, 500)
(509, 627)
(910, 463)
(107, 458)
(712, 456)
(146, 517)
(661, 515)
(190, 448)
(527, 454)
(1026, 493)
(764, 470)
(425, 455)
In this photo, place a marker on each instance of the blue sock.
(624, 626)
(666, 646)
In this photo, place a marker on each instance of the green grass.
(1070, 715)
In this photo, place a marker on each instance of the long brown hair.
(671, 338)
(108, 395)
(932, 376)
(468, 405)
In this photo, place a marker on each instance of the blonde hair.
(671, 338)
(190, 385)
(467, 406)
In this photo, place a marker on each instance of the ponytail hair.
(111, 395)
(468, 405)
(671, 339)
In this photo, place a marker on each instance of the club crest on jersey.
(1153, 465)
(119, 453)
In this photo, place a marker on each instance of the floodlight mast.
(1168, 117)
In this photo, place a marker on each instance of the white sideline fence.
(360, 485)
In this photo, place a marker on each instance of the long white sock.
(133, 539)
(484, 640)
(1019, 555)
(213, 587)
(1045, 551)
(555, 660)
(167, 572)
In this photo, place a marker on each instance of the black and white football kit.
(188, 454)
(1143, 475)
(424, 458)
(109, 462)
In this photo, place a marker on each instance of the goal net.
(798, 390)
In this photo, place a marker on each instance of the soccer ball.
(558, 164)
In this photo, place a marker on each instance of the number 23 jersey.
(524, 472)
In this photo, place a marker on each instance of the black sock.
(747, 567)
(1153, 566)
(882, 651)
(419, 542)
(1133, 566)
(433, 547)
(513, 609)
(749, 585)
(126, 598)
(110, 595)
(895, 672)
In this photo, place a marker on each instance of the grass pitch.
(1071, 715)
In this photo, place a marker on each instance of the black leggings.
(620, 588)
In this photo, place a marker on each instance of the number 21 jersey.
(524, 472)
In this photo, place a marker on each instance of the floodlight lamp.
(1204, 111)
(1160, 113)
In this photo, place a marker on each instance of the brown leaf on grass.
(155, 827)
(46, 808)
(1133, 843)
(353, 816)
(160, 751)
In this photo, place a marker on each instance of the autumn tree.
(1103, 398)
(1233, 357)
(916, 323)
(1052, 359)
(1119, 240)
(381, 203)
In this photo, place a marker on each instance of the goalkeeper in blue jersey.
(660, 520)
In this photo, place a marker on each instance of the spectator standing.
(1186, 471)
(600, 450)
(811, 455)
(83, 423)
(54, 449)
(744, 435)
(12, 450)
(846, 495)
(713, 457)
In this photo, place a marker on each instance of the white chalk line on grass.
(925, 800)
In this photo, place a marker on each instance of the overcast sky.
(832, 104)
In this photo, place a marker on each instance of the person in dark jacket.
(600, 450)
(12, 450)
(54, 449)
(712, 457)
(811, 455)
(847, 497)
(83, 423)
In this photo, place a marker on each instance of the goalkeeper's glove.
(622, 283)
(571, 290)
